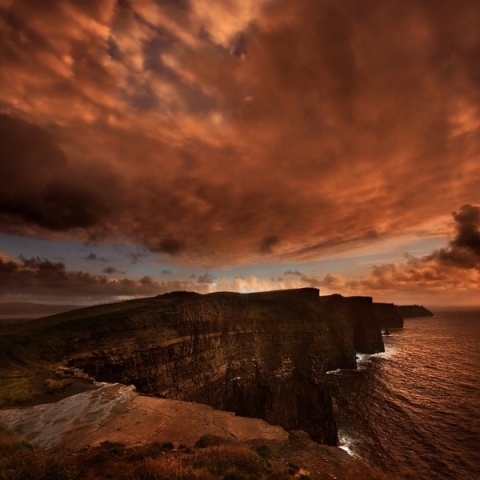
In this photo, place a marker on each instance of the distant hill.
(11, 311)
(411, 311)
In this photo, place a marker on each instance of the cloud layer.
(40, 276)
(450, 274)
(225, 133)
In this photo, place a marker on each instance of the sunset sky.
(156, 145)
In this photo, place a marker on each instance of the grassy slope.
(24, 347)
(23, 374)
(256, 460)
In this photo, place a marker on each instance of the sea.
(414, 411)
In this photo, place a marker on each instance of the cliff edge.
(261, 355)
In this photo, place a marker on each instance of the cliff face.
(367, 333)
(388, 316)
(260, 355)
(354, 324)
(411, 311)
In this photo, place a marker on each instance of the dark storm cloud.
(93, 257)
(206, 278)
(464, 250)
(239, 45)
(209, 131)
(39, 187)
(113, 270)
(268, 242)
(468, 228)
(169, 245)
(293, 272)
(449, 273)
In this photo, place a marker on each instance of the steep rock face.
(355, 324)
(367, 334)
(388, 315)
(412, 311)
(260, 355)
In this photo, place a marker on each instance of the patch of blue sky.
(15, 246)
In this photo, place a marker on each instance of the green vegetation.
(15, 389)
(30, 352)
(52, 385)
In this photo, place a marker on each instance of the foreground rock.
(116, 413)
(90, 434)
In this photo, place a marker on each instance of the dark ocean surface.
(415, 410)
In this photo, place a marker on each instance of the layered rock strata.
(261, 355)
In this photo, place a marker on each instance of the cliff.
(353, 322)
(261, 355)
(387, 315)
(367, 335)
(411, 311)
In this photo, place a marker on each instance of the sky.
(244, 145)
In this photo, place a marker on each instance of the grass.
(228, 458)
(19, 460)
(30, 351)
(15, 389)
(40, 383)
(159, 461)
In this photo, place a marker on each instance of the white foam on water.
(346, 444)
(365, 358)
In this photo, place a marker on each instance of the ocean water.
(414, 411)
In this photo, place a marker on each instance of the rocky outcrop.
(261, 355)
(387, 315)
(112, 432)
(116, 413)
(412, 311)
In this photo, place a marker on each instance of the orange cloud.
(261, 131)
(451, 273)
